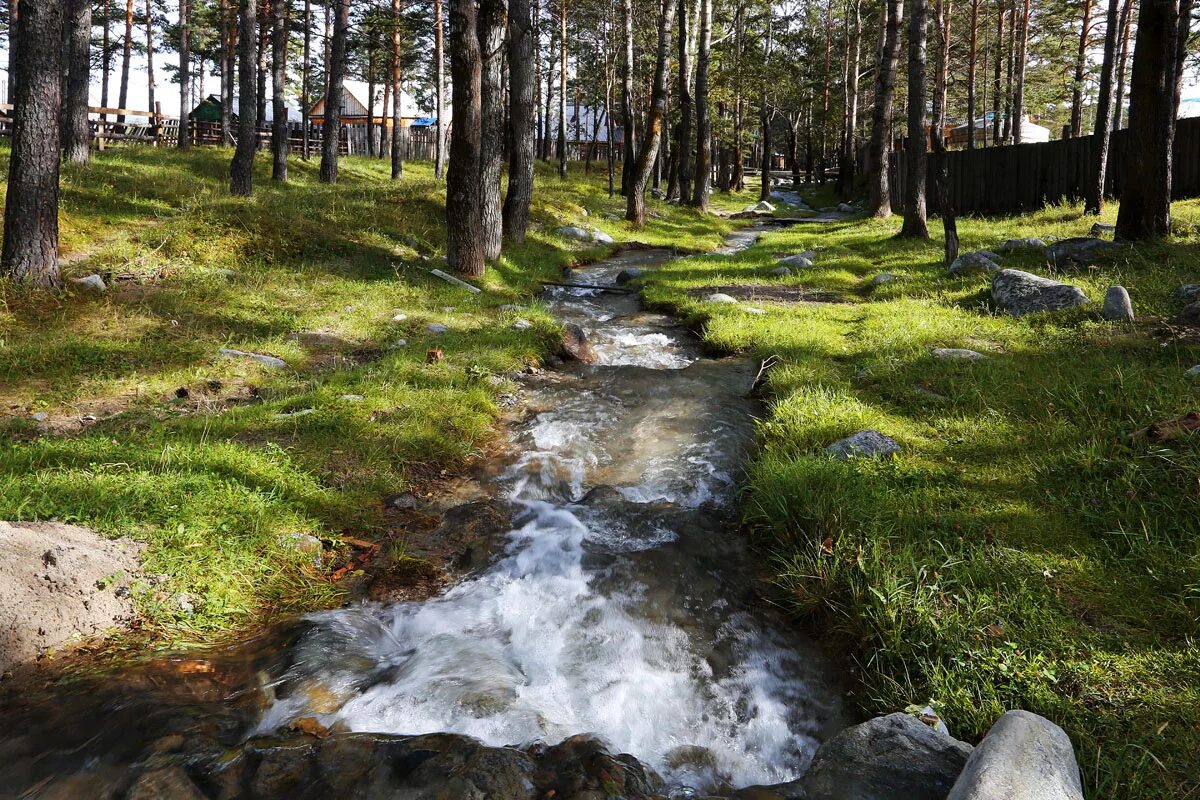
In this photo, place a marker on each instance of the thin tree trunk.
(918, 142)
(228, 26)
(550, 72)
(703, 120)
(846, 168)
(1103, 126)
(30, 252)
(241, 170)
(738, 178)
(105, 59)
(521, 57)
(764, 111)
(185, 64)
(279, 122)
(1145, 211)
(941, 176)
(126, 57)
(306, 82)
(998, 86)
(682, 158)
(76, 133)
(464, 206)
(439, 88)
(635, 209)
(880, 200)
(1122, 64)
(154, 121)
(397, 95)
(627, 118)
(1019, 92)
(332, 129)
(261, 68)
(1080, 66)
(381, 151)
(825, 89)
(974, 53)
(14, 19)
(1010, 68)
(562, 90)
(492, 21)
(371, 73)
(610, 81)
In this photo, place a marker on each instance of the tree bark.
(918, 142)
(635, 208)
(76, 133)
(520, 120)
(279, 121)
(439, 88)
(880, 200)
(228, 26)
(334, 95)
(1080, 67)
(1103, 127)
(493, 19)
(941, 176)
(397, 95)
(972, 57)
(627, 118)
(30, 251)
(1008, 72)
(14, 18)
(562, 90)
(261, 69)
(241, 169)
(683, 156)
(154, 121)
(306, 82)
(1122, 64)
(185, 65)
(764, 111)
(464, 201)
(850, 123)
(998, 86)
(372, 71)
(703, 120)
(1145, 211)
(126, 56)
(1019, 91)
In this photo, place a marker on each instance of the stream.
(622, 605)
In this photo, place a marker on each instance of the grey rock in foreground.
(800, 260)
(781, 271)
(1101, 228)
(574, 232)
(886, 758)
(93, 283)
(1194, 371)
(967, 263)
(864, 444)
(601, 237)
(884, 277)
(1188, 291)
(720, 297)
(1023, 757)
(956, 354)
(1020, 293)
(1081, 251)
(1117, 305)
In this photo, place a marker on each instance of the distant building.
(1030, 132)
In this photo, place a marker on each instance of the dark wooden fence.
(1025, 177)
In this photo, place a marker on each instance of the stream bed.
(621, 606)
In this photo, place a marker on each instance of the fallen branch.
(451, 279)
(615, 289)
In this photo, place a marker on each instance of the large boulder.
(1023, 757)
(886, 758)
(1117, 305)
(574, 344)
(1020, 293)
(574, 232)
(1079, 251)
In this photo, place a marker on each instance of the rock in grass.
(754, 310)
(763, 205)
(968, 263)
(800, 261)
(1023, 757)
(884, 277)
(436, 327)
(1190, 315)
(1194, 371)
(601, 237)
(93, 283)
(1014, 245)
(956, 354)
(781, 271)
(1101, 228)
(720, 297)
(864, 444)
(574, 232)
(265, 360)
(845, 208)
(629, 274)
(1117, 305)
(886, 758)
(522, 325)
(1188, 291)
(1080, 251)
(574, 344)
(1020, 293)
(303, 543)
(510, 308)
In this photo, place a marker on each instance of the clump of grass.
(1021, 552)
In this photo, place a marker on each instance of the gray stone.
(1023, 757)
(886, 758)
(522, 325)
(39, 416)
(864, 444)
(845, 208)
(574, 232)
(1020, 293)
(719, 297)
(354, 398)
(396, 345)
(1014, 245)
(93, 283)
(884, 277)
(265, 360)
(754, 310)
(1101, 228)
(629, 274)
(781, 271)
(1194, 371)
(399, 317)
(601, 237)
(968, 263)
(761, 205)
(1189, 315)
(304, 543)
(800, 260)
(1117, 305)
(956, 354)
(574, 344)
(1188, 291)
(1079, 251)
(436, 327)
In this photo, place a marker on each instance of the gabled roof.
(351, 106)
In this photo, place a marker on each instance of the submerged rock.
(864, 444)
(168, 783)
(1117, 305)
(886, 758)
(574, 344)
(1020, 293)
(1023, 757)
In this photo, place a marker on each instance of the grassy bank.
(142, 429)
(1021, 551)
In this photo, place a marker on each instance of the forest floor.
(118, 413)
(1022, 551)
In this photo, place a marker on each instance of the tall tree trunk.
(998, 86)
(14, 19)
(371, 73)
(944, 12)
(971, 59)
(76, 133)
(1019, 91)
(683, 158)
(397, 95)
(850, 125)
(492, 21)
(1103, 134)
(825, 89)
(703, 120)
(331, 133)
(1122, 64)
(439, 88)
(464, 206)
(261, 68)
(738, 179)
(521, 57)
(562, 90)
(918, 142)
(389, 66)
(306, 82)
(880, 199)
(105, 59)
(764, 111)
(550, 73)
(1145, 211)
(1080, 67)
(126, 57)
(228, 26)
(610, 82)
(627, 118)
(241, 169)
(279, 121)
(150, 87)
(1009, 70)
(635, 207)
(30, 252)
(185, 64)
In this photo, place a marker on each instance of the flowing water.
(623, 602)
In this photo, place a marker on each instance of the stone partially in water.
(864, 444)
(168, 783)
(1023, 757)
(887, 758)
(629, 274)
(574, 344)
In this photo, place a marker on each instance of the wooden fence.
(1026, 177)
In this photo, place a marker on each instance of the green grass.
(1021, 552)
(215, 482)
